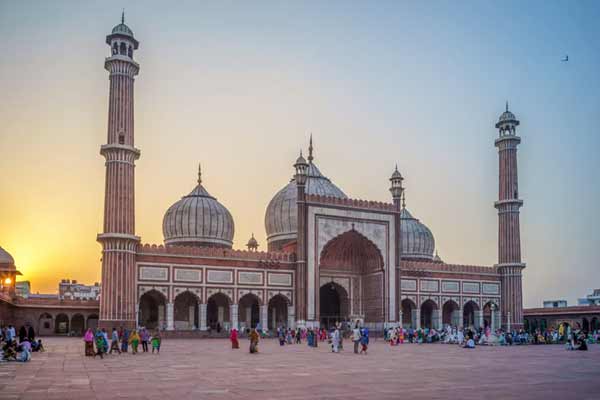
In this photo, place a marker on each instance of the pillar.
(400, 317)
(118, 239)
(478, 319)
(508, 325)
(170, 311)
(264, 315)
(202, 316)
(137, 315)
(234, 316)
(440, 323)
(497, 318)
(291, 317)
(416, 317)
(510, 265)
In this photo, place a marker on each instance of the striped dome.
(198, 219)
(417, 239)
(281, 216)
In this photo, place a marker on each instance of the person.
(281, 336)
(254, 341)
(235, 344)
(356, 338)
(124, 340)
(38, 346)
(99, 344)
(105, 336)
(134, 340)
(114, 342)
(88, 339)
(31, 334)
(25, 354)
(364, 340)
(298, 337)
(470, 343)
(145, 336)
(22, 333)
(156, 342)
(335, 341)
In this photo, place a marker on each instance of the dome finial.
(199, 174)
(123, 16)
(506, 105)
(404, 198)
(310, 150)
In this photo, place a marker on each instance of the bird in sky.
(565, 59)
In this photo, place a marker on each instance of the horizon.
(240, 89)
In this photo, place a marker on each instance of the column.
(264, 315)
(478, 319)
(202, 316)
(416, 317)
(440, 324)
(400, 318)
(234, 316)
(508, 316)
(161, 316)
(170, 324)
(137, 315)
(291, 317)
(493, 319)
(498, 318)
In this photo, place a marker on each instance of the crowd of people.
(469, 337)
(288, 336)
(120, 341)
(18, 347)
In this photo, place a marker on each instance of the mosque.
(330, 257)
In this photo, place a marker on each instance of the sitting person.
(25, 354)
(470, 344)
(37, 346)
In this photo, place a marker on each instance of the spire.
(506, 105)
(404, 199)
(123, 17)
(310, 150)
(199, 174)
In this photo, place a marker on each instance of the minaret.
(118, 297)
(397, 192)
(301, 167)
(508, 205)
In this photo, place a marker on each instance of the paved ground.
(209, 369)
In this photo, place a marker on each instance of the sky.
(239, 86)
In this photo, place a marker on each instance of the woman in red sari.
(235, 344)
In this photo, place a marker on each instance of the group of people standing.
(11, 350)
(253, 336)
(120, 341)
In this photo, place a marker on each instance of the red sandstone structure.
(330, 257)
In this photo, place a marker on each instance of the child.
(155, 342)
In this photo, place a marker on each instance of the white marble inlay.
(219, 276)
(280, 279)
(154, 273)
(408, 284)
(491, 288)
(450, 286)
(188, 275)
(250, 278)
(471, 287)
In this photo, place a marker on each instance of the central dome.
(281, 217)
(198, 219)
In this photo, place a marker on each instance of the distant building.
(23, 289)
(590, 299)
(555, 303)
(71, 290)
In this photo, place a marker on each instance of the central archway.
(152, 310)
(333, 304)
(357, 264)
(249, 311)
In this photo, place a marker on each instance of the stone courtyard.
(210, 369)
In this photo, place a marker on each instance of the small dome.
(507, 117)
(198, 219)
(417, 239)
(122, 29)
(5, 258)
(281, 216)
(252, 243)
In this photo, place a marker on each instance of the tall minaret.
(509, 236)
(118, 297)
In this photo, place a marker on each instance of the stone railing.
(443, 267)
(354, 203)
(217, 252)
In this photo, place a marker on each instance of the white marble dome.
(281, 216)
(417, 240)
(198, 219)
(5, 258)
